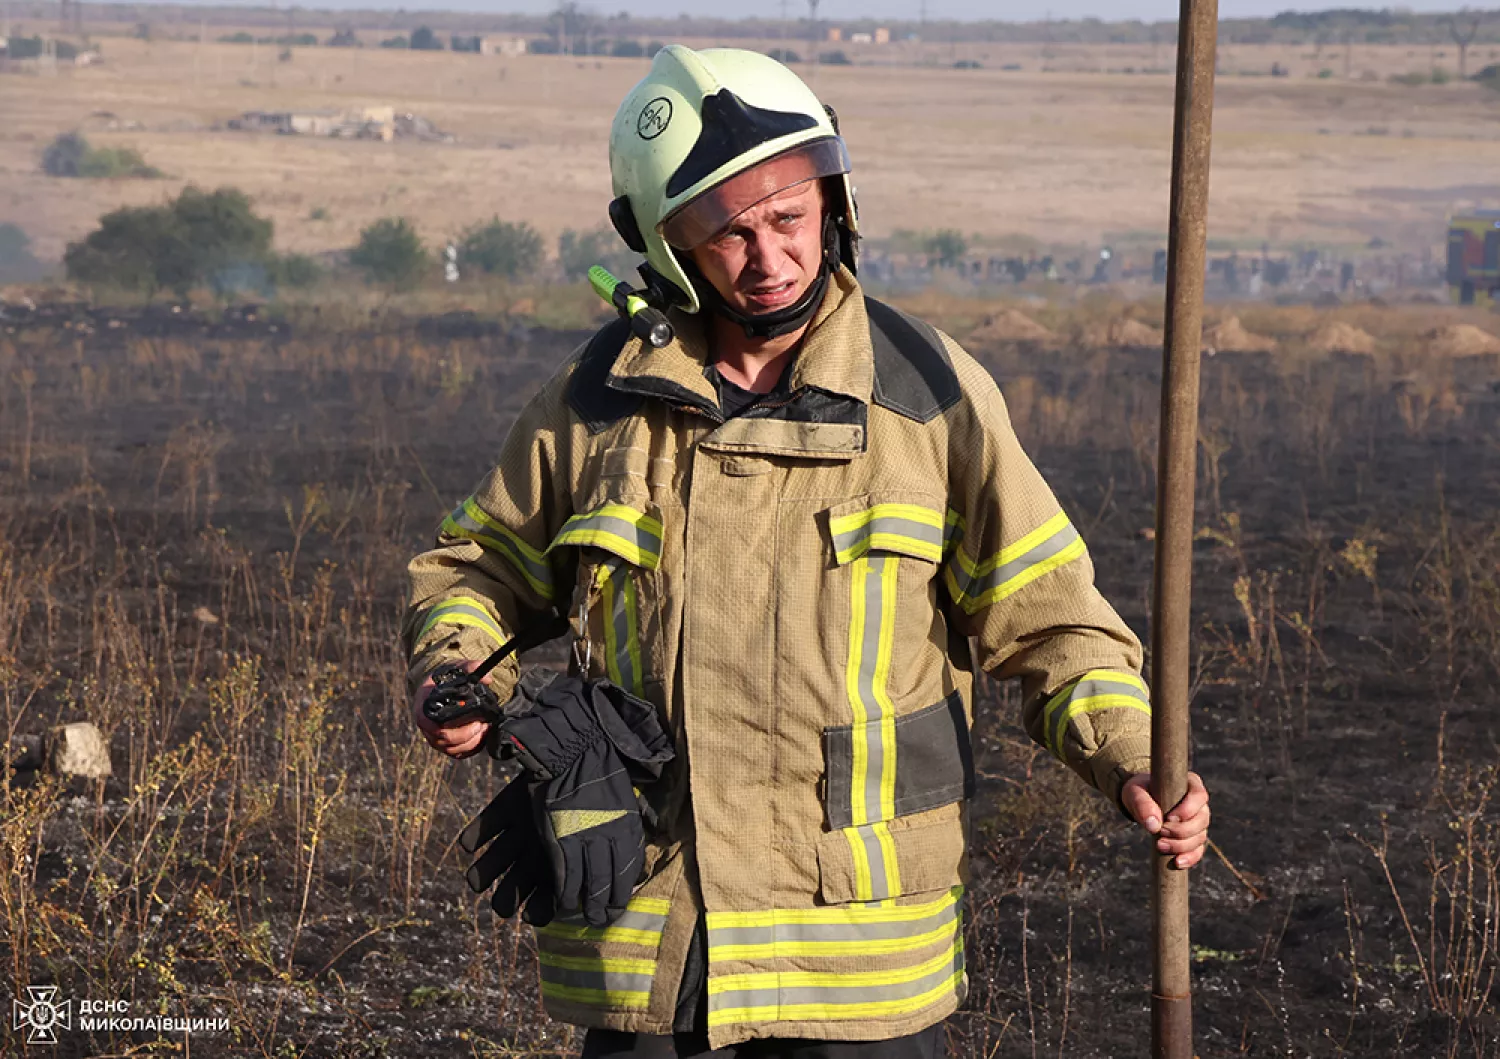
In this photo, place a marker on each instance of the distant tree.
(577, 251)
(784, 55)
(343, 37)
(200, 237)
(395, 42)
(627, 49)
(17, 263)
(293, 270)
(946, 247)
(652, 47)
(237, 38)
(135, 248)
(65, 155)
(464, 43)
(391, 252)
(541, 46)
(569, 24)
(423, 39)
(834, 58)
(501, 248)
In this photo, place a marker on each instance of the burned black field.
(205, 530)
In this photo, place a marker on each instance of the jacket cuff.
(1116, 762)
(461, 645)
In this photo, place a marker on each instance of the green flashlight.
(648, 324)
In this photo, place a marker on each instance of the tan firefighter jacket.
(796, 590)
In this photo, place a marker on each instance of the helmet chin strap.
(781, 321)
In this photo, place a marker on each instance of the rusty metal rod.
(1192, 133)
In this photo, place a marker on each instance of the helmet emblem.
(654, 118)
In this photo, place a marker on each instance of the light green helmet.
(699, 119)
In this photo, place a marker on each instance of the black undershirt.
(735, 400)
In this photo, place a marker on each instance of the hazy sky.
(836, 9)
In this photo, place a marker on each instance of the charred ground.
(205, 526)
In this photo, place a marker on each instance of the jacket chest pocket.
(616, 603)
(904, 751)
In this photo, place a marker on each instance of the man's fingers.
(1193, 802)
(598, 880)
(512, 804)
(1136, 797)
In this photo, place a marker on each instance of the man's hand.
(1184, 835)
(460, 739)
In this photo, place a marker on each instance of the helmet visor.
(696, 222)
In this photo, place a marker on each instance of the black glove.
(587, 746)
(515, 856)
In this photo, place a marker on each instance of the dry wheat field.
(1048, 151)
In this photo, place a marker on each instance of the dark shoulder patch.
(913, 375)
(589, 393)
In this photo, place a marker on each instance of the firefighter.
(784, 531)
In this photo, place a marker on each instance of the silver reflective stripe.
(630, 919)
(603, 531)
(1096, 691)
(604, 980)
(467, 614)
(832, 995)
(971, 588)
(918, 538)
(832, 933)
(465, 522)
(623, 632)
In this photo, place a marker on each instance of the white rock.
(78, 750)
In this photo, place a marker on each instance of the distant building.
(835, 34)
(861, 38)
(882, 35)
(502, 46)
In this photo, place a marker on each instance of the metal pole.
(1171, 985)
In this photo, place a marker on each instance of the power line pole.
(1171, 626)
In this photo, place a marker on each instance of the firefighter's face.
(767, 257)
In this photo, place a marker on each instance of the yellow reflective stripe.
(462, 610)
(887, 708)
(633, 638)
(795, 995)
(861, 863)
(628, 533)
(851, 686)
(1015, 551)
(471, 522)
(833, 917)
(726, 983)
(614, 935)
(613, 999)
(611, 964)
(622, 639)
(833, 1012)
(767, 950)
(888, 851)
(976, 585)
(889, 527)
(1096, 690)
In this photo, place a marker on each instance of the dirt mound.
(1008, 325)
(1231, 337)
(1338, 337)
(1121, 332)
(1460, 340)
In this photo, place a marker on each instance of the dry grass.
(1063, 157)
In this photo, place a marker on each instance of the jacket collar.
(835, 355)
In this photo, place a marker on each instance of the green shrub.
(423, 39)
(391, 252)
(501, 248)
(1440, 75)
(627, 49)
(17, 263)
(293, 270)
(784, 55)
(834, 58)
(395, 42)
(70, 155)
(947, 246)
(237, 38)
(212, 238)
